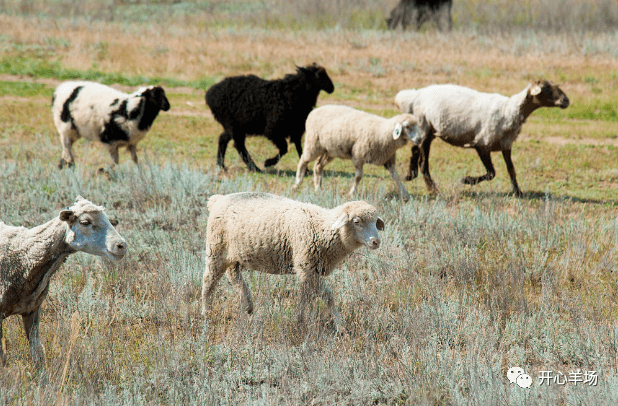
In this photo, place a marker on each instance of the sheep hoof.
(518, 193)
(411, 175)
(62, 164)
(270, 162)
(469, 180)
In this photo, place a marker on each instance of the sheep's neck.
(46, 249)
(528, 107)
(150, 112)
(525, 104)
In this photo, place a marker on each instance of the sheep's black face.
(548, 94)
(157, 96)
(318, 74)
(324, 80)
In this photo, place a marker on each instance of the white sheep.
(30, 257)
(276, 235)
(343, 132)
(466, 118)
(101, 113)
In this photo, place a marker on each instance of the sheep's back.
(262, 232)
(459, 115)
(237, 100)
(343, 131)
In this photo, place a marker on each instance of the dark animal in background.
(276, 109)
(101, 113)
(418, 12)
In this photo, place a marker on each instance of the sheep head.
(547, 94)
(359, 223)
(156, 96)
(406, 125)
(90, 231)
(317, 74)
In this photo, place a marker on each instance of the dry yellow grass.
(401, 60)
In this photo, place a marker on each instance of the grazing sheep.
(343, 132)
(276, 235)
(277, 109)
(466, 118)
(420, 11)
(98, 112)
(30, 257)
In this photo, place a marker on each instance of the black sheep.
(276, 109)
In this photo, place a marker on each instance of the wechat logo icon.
(517, 375)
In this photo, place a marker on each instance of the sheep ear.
(340, 222)
(535, 90)
(67, 215)
(397, 131)
(380, 224)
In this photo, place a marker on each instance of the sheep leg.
(31, 328)
(509, 166)
(213, 272)
(491, 172)
(301, 170)
(358, 176)
(318, 170)
(299, 146)
(414, 160)
(424, 157)
(239, 144)
(236, 279)
(67, 155)
(282, 145)
(224, 139)
(2, 345)
(133, 150)
(309, 287)
(327, 296)
(391, 167)
(113, 152)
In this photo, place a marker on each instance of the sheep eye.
(85, 222)
(356, 221)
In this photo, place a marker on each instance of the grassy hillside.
(465, 285)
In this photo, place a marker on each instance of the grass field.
(466, 284)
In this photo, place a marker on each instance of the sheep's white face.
(365, 229)
(91, 232)
(408, 129)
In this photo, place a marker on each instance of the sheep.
(276, 235)
(30, 257)
(343, 132)
(466, 118)
(98, 112)
(277, 109)
(420, 11)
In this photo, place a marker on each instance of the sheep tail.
(212, 200)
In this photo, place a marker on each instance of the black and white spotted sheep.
(101, 113)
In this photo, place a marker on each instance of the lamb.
(98, 112)
(277, 109)
(343, 132)
(30, 257)
(277, 235)
(466, 118)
